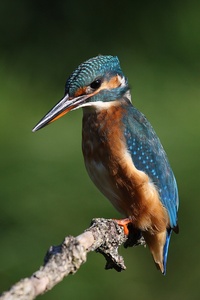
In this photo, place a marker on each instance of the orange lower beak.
(60, 109)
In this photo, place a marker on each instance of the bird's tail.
(165, 249)
(159, 245)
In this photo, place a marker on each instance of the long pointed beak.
(60, 109)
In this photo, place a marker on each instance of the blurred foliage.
(45, 191)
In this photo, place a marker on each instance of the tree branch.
(104, 236)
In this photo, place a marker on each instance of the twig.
(104, 236)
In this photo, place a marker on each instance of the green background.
(44, 189)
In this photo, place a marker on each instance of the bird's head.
(99, 79)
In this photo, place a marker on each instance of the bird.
(122, 153)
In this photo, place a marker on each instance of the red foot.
(124, 223)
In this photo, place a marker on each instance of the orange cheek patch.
(81, 91)
(114, 82)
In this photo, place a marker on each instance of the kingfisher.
(123, 155)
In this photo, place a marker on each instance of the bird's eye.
(95, 84)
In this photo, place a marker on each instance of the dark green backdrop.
(44, 189)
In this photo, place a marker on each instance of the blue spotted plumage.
(122, 153)
(149, 156)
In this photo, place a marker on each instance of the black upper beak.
(60, 109)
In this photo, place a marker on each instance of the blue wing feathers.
(149, 156)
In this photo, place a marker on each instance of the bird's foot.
(124, 223)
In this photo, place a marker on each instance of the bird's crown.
(92, 72)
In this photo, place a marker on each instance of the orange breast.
(112, 170)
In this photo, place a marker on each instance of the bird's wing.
(149, 156)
